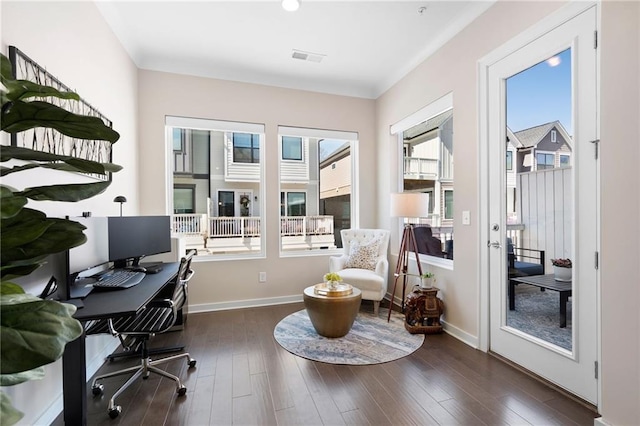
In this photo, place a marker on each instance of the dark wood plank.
(244, 377)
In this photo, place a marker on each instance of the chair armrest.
(336, 263)
(160, 303)
(382, 267)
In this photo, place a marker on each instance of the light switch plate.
(466, 217)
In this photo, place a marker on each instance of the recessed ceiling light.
(290, 5)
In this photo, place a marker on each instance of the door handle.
(494, 244)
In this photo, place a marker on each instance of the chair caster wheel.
(115, 411)
(97, 389)
(192, 363)
(182, 390)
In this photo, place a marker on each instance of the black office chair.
(132, 345)
(158, 316)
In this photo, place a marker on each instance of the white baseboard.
(250, 303)
(599, 421)
(461, 335)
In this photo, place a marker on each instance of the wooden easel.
(407, 245)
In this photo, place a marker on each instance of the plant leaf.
(21, 116)
(22, 228)
(5, 69)
(10, 415)
(59, 235)
(7, 287)
(24, 89)
(10, 204)
(34, 332)
(25, 376)
(21, 269)
(68, 192)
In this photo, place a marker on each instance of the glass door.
(543, 206)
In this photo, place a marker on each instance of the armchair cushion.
(363, 255)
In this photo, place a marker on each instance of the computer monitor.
(133, 237)
(87, 259)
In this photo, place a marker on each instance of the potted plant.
(427, 280)
(562, 269)
(332, 280)
(34, 331)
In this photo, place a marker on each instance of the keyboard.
(120, 279)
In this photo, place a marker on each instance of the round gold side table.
(332, 316)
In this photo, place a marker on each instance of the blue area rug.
(538, 314)
(371, 340)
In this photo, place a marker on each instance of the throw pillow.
(363, 256)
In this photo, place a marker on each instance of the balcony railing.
(189, 224)
(197, 229)
(420, 168)
(230, 227)
(306, 225)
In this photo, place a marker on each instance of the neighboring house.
(216, 177)
(335, 188)
(540, 153)
(542, 147)
(428, 165)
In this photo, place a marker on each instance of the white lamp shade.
(410, 204)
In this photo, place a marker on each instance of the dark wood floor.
(244, 377)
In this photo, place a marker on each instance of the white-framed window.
(218, 180)
(545, 160)
(246, 147)
(554, 136)
(292, 148)
(317, 194)
(448, 204)
(293, 203)
(509, 160)
(565, 160)
(425, 148)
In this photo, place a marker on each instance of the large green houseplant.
(33, 331)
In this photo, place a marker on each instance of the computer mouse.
(138, 269)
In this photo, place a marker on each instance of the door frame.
(562, 15)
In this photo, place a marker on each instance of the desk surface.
(115, 303)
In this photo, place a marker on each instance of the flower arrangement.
(562, 263)
(332, 277)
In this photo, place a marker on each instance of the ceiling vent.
(307, 56)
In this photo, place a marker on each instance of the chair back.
(180, 291)
(363, 236)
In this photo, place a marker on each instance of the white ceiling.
(369, 45)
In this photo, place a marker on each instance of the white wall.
(73, 42)
(620, 230)
(453, 68)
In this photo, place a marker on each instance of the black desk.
(99, 305)
(544, 282)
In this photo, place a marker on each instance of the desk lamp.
(409, 205)
(120, 199)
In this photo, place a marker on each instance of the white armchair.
(364, 262)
